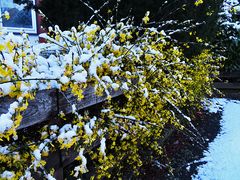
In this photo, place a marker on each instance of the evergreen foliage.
(185, 14)
(228, 37)
(200, 20)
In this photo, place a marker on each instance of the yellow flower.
(10, 46)
(199, 40)
(148, 57)
(198, 2)
(2, 47)
(122, 37)
(146, 18)
(7, 15)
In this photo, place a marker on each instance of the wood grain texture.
(69, 155)
(227, 86)
(44, 106)
(230, 75)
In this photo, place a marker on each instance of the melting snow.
(103, 146)
(223, 156)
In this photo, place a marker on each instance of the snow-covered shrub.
(229, 34)
(157, 81)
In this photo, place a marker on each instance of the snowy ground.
(223, 155)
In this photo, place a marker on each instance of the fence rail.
(44, 106)
(229, 84)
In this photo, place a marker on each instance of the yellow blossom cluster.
(158, 84)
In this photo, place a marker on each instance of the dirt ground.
(183, 152)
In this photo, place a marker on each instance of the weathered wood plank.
(227, 86)
(230, 75)
(44, 106)
(69, 155)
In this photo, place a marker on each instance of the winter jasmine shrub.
(159, 84)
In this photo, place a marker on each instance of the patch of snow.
(92, 122)
(27, 175)
(103, 146)
(83, 166)
(105, 110)
(223, 155)
(5, 122)
(7, 175)
(67, 132)
(37, 154)
(115, 68)
(125, 86)
(123, 136)
(6, 87)
(50, 177)
(64, 79)
(4, 150)
(85, 58)
(107, 79)
(215, 105)
(145, 90)
(227, 19)
(67, 136)
(54, 127)
(74, 108)
(87, 129)
(115, 86)
(80, 77)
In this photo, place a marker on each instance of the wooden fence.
(229, 84)
(45, 107)
(47, 103)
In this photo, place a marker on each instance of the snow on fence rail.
(44, 106)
